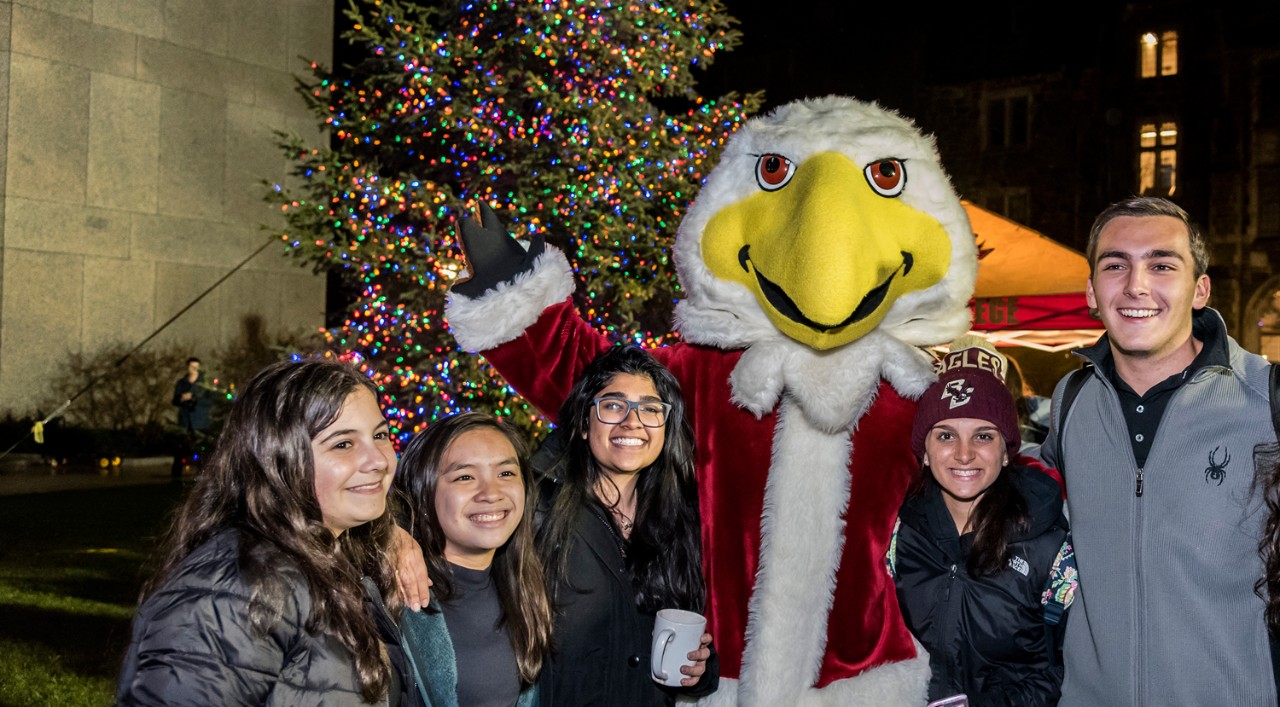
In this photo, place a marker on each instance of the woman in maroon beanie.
(981, 554)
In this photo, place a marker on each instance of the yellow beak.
(826, 256)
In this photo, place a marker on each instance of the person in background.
(468, 503)
(981, 545)
(1033, 410)
(193, 402)
(270, 584)
(1155, 449)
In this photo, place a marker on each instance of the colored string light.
(558, 115)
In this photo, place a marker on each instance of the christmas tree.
(547, 111)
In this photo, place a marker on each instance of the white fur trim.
(832, 388)
(899, 684)
(802, 535)
(725, 696)
(503, 313)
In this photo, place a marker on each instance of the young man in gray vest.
(1157, 455)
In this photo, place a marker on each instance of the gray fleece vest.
(1166, 612)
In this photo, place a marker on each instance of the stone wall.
(134, 137)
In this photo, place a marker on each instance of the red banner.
(1063, 311)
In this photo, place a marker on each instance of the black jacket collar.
(1207, 327)
(927, 513)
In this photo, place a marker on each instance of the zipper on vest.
(1137, 488)
(1139, 646)
(951, 621)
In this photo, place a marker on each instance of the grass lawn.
(70, 567)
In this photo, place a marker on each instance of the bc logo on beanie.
(958, 391)
(970, 385)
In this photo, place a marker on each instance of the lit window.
(1269, 327)
(1168, 53)
(1158, 158)
(1158, 54)
(1148, 47)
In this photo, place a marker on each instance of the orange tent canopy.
(1030, 288)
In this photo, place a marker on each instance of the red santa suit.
(803, 456)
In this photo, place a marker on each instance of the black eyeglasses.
(612, 411)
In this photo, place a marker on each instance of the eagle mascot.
(824, 251)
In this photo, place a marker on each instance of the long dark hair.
(997, 516)
(517, 571)
(1267, 482)
(260, 480)
(664, 552)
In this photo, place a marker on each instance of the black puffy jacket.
(192, 643)
(986, 636)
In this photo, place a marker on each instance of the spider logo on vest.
(1217, 471)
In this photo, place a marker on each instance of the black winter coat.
(193, 414)
(602, 641)
(986, 636)
(192, 644)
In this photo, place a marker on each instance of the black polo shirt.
(1142, 413)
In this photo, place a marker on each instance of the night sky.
(884, 51)
(874, 51)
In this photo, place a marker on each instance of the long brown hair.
(260, 481)
(1000, 512)
(517, 571)
(1267, 482)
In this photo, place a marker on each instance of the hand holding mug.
(699, 658)
(679, 648)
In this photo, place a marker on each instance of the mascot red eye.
(887, 177)
(774, 171)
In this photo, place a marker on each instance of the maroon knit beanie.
(970, 385)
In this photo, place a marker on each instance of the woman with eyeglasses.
(620, 536)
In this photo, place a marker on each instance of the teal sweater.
(426, 639)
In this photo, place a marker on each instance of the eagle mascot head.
(827, 238)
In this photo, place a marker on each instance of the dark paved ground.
(27, 473)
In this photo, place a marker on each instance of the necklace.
(624, 522)
(618, 541)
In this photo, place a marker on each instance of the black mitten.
(493, 256)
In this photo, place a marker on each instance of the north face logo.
(1019, 565)
(959, 393)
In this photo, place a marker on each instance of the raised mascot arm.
(493, 255)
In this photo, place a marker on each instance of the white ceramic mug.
(676, 634)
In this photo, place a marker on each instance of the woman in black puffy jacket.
(270, 584)
(981, 555)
